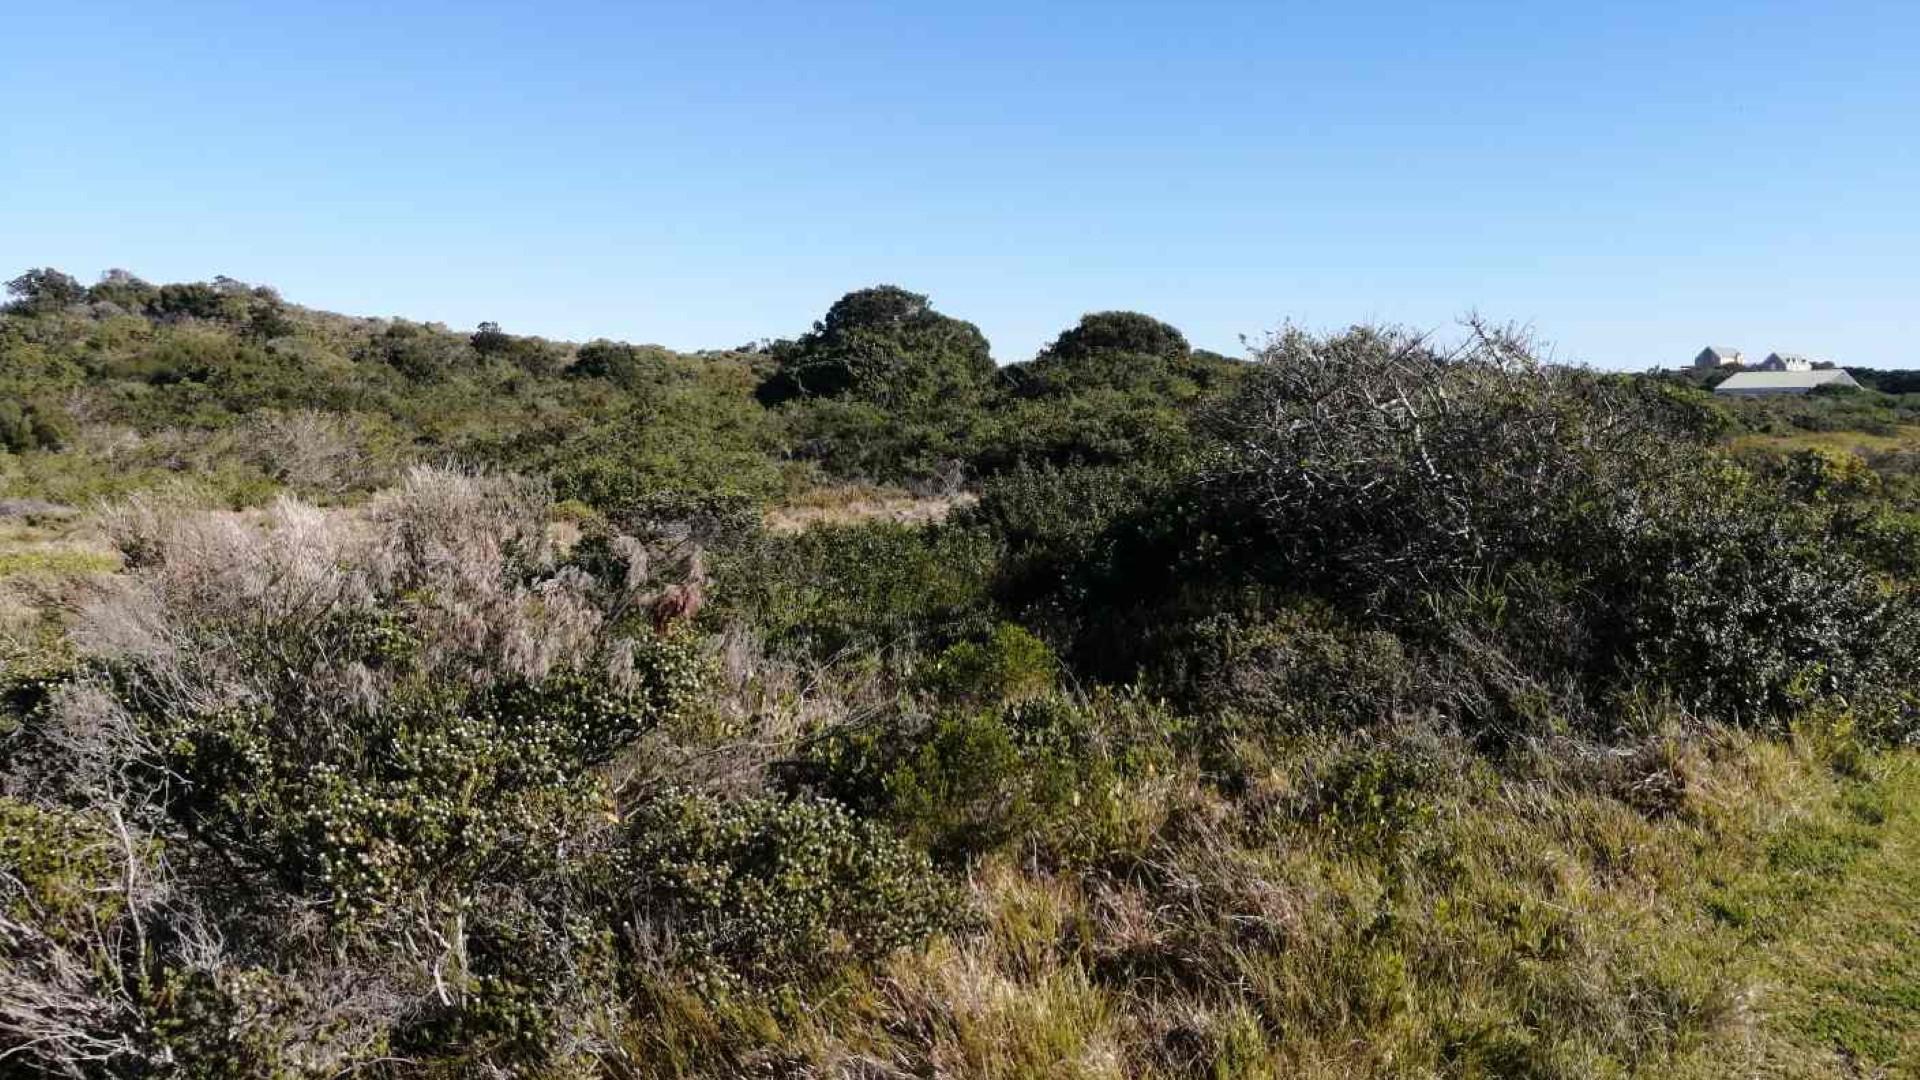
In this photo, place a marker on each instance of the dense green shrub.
(776, 890)
(966, 782)
(59, 870)
(419, 352)
(1008, 664)
(1108, 564)
(1118, 387)
(886, 346)
(1118, 350)
(1098, 426)
(1527, 533)
(845, 591)
(43, 290)
(1303, 669)
(630, 366)
(32, 426)
(1373, 798)
(439, 795)
(863, 441)
(700, 434)
(1755, 615)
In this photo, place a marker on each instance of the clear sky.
(1636, 180)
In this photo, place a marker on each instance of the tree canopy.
(886, 346)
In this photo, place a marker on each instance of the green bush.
(631, 366)
(1756, 614)
(32, 426)
(441, 794)
(886, 346)
(968, 782)
(776, 891)
(1009, 664)
(1375, 797)
(1301, 670)
(1538, 538)
(60, 871)
(840, 591)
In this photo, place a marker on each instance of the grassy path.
(1839, 996)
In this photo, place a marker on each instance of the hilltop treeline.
(249, 394)
(1365, 707)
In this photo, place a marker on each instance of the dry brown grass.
(863, 503)
(51, 565)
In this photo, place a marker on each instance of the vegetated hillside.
(425, 704)
(112, 387)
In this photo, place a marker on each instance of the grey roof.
(1725, 352)
(1783, 381)
(1789, 356)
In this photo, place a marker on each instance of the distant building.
(1717, 356)
(1785, 362)
(1776, 381)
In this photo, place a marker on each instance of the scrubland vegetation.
(382, 700)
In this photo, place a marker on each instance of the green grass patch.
(1838, 986)
(56, 562)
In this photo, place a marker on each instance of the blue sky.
(1634, 179)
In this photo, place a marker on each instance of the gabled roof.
(1724, 352)
(1790, 357)
(1784, 380)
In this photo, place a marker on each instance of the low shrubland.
(1371, 708)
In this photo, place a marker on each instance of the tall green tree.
(1121, 350)
(42, 290)
(886, 346)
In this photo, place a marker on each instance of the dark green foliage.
(490, 340)
(123, 290)
(861, 440)
(44, 290)
(1106, 563)
(1119, 333)
(418, 352)
(1119, 387)
(1009, 664)
(223, 1025)
(1109, 350)
(1304, 669)
(1879, 408)
(1096, 426)
(777, 890)
(1825, 476)
(883, 388)
(32, 426)
(529, 354)
(58, 869)
(630, 366)
(1756, 615)
(436, 794)
(195, 301)
(189, 367)
(1899, 381)
(968, 782)
(861, 590)
(887, 346)
(685, 441)
(1523, 537)
(1375, 797)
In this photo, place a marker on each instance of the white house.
(1786, 362)
(1717, 356)
(1760, 383)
